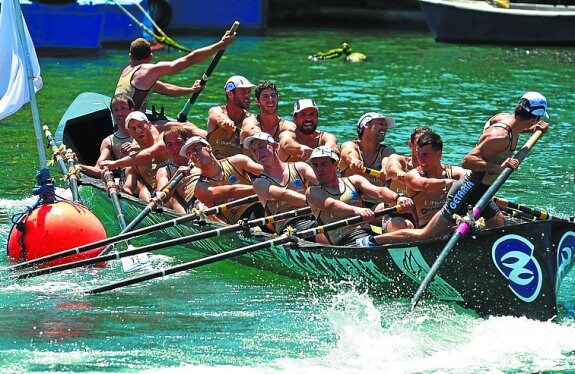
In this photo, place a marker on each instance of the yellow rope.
(165, 39)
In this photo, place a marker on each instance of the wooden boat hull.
(515, 270)
(465, 21)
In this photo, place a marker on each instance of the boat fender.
(54, 227)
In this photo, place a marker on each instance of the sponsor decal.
(565, 255)
(412, 264)
(513, 256)
(460, 194)
(233, 179)
(352, 194)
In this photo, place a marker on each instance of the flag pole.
(30, 75)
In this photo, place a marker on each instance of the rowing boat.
(515, 270)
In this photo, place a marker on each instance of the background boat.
(84, 27)
(469, 21)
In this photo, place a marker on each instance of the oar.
(239, 251)
(463, 228)
(72, 174)
(112, 189)
(183, 115)
(536, 213)
(59, 159)
(138, 232)
(169, 243)
(154, 202)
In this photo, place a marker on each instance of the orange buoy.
(54, 227)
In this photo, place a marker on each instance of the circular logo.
(297, 183)
(353, 194)
(233, 179)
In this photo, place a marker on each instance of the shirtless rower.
(299, 144)
(268, 121)
(224, 180)
(118, 144)
(141, 77)
(282, 185)
(336, 197)
(141, 178)
(367, 151)
(491, 155)
(182, 196)
(225, 121)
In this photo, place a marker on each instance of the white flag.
(13, 79)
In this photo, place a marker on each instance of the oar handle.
(372, 172)
(464, 227)
(183, 115)
(344, 222)
(535, 212)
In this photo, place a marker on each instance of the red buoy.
(52, 228)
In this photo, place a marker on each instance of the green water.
(229, 318)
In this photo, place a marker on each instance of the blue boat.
(83, 27)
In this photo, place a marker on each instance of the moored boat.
(472, 21)
(514, 270)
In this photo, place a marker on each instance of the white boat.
(498, 22)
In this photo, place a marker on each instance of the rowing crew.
(289, 182)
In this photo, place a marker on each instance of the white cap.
(369, 116)
(138, 116)
(190, 142)
(237, 81)
(302, 104)
(259, 136)
(323, 151)
(534, 103)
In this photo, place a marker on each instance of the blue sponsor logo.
(233, 179)
(297, 183)
(353, 194)
(565, 255)
(513, 257)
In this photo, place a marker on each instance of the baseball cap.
(534, 103)
(323, 151)
(137, 115)
(369, 116)
(191, 141)
(302, 104)
(259, 136)
(237, 81)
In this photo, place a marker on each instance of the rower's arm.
(329, 140)
(290, 145)
(416, 182)
(350, 158)
(267, 191)
(316, 199)
(140, 158)
(216, 195)
(395, 167)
